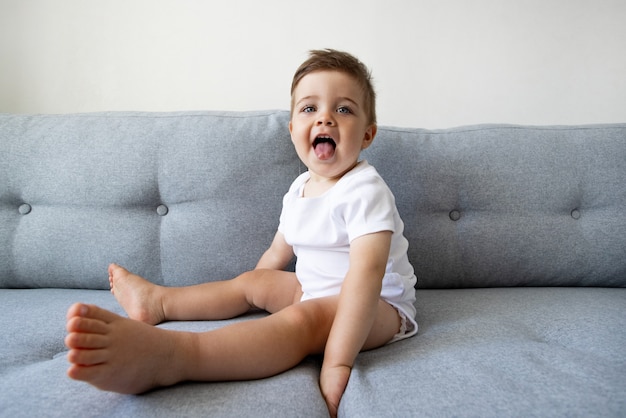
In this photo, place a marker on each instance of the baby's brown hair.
(333, 60)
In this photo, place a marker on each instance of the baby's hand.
(333, 382)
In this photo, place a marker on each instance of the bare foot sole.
(140, 299)
(119, 354)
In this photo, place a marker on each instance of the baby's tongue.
(324, 150)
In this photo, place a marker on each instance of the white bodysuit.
(320, 230)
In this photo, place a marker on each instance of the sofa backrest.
(188, 197)
(180, 198)
(502, 205)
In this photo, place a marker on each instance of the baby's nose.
(325, 119)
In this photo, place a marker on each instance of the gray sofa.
(517, 235)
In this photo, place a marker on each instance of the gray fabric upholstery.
(33, 366)
(517, 235)
(480, 352)
(484, 206)
(502, 205)
(96, 183)
(501, 352)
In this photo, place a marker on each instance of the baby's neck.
(316, 186)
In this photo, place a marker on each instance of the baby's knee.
(248, 282)
(311, 316)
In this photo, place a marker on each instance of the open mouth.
(324, 147)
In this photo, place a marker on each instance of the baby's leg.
(144, 301)
(123, 355)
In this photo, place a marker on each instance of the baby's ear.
(370, 133)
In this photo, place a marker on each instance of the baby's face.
(329, 126)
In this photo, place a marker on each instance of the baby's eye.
(344, 109)
(308, 109)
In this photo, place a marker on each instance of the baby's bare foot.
(119, 354)
(140, 299)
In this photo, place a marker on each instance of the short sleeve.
(368, 206)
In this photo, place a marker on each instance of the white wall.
(437, 63)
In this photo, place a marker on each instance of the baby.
(352, 289)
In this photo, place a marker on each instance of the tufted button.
(24, 209)
(455, 215)
(162, 210)
(575, 214)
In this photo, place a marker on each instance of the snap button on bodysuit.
(455, 215)
(24, 209)
(162, 210)
(575, 214)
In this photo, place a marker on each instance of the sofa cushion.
(549, 352)
(188, 197)
(33, 366)
(179, 198)
(479, 352)
(504, 205)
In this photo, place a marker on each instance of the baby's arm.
(356, 312)
(278, 255)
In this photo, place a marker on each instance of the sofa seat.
(501, 352)
(489, 352)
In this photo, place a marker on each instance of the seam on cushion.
(491, 127)
(158, 115)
